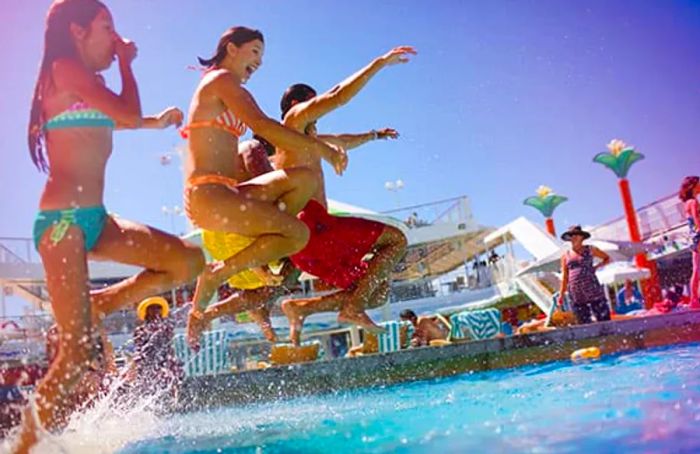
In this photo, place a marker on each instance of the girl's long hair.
(58, 43)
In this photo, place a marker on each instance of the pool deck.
(430, 362)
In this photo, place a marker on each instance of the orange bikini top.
(226, 120)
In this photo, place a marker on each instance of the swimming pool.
(647, 400)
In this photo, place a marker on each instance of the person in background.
(629, 298)
(155, 366)
(425, 329)
(579, 279)
(690, 188)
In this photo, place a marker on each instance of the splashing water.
(647, 401)
(109, 424)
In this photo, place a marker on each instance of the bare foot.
(196, 323)
(29, 433)
(296, 321)
(207, 284)
(261, 316)
(360, 319)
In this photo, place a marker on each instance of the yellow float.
(223, 245)
(585, 353)
(290, 354)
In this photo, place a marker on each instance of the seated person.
(629, 298)
(671, 300)
(425, 329)
(559, 319)
(683, 299)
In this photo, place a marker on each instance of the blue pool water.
(646, 401)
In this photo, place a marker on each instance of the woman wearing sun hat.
(579, 279)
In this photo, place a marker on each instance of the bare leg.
(65, 265)
(169, 262)
(695, 281)
(263, 208)
(349, 314)
(388, 250)
(297, 310)
(253, 301)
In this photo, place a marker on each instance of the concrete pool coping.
(322, 377)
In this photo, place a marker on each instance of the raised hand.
(387, 133)
(170, 116)
(339, 159)
(398, 55)
(125, 49)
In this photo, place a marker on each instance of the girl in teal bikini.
(72, 118)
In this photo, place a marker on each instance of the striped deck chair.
(391, 340)
(212, 357)
(476, 325)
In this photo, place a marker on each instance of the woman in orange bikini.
(217, 197)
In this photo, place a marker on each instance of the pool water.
(647, 401)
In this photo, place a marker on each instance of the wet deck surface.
(425, 363)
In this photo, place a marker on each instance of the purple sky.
(503, 96)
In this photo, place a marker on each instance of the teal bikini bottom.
(91, 221)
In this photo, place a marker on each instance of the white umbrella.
(618, 273)
(619, 251)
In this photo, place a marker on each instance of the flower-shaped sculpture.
(619, 158)
(545, 202)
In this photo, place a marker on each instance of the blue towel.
(480, 324)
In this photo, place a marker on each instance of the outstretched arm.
(172, 116)
(242, 104)
(318, 106)
(349, 141)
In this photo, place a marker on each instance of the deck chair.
(398, 335)
(476, 325)
(211, 358)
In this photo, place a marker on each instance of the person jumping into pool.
(389, 247)
(338, 245)
(217, 195)
(254, 289)
(690, 188)
(73, 115)
(253, 293)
